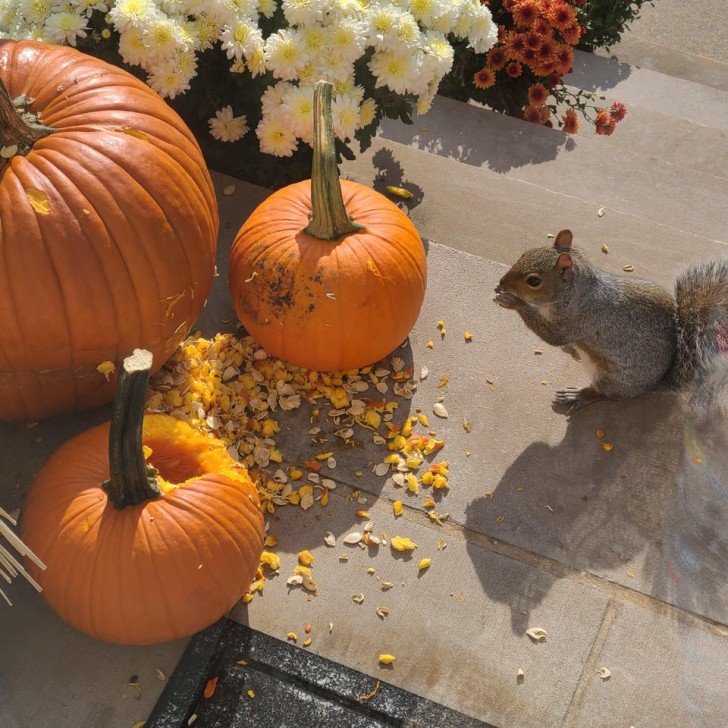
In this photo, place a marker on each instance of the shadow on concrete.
(597, 73)
(646, 514)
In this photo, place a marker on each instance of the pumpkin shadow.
(645, 514)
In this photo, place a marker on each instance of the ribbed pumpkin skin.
(126, 256)
(328, 305)
(149, 573)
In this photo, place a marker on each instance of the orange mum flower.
(534, 40)
(571, 122)
(541, 27)
(537, 94)
(484, 78)
(564, 59)
(532, 114)
(525, 12)
(571, 34)
(618, 111)
(561, 15)
(514, 44)
(604, 123)
(497, 57)
(514, 69)
(529, 56)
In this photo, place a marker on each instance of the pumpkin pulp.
(150, 455)
(329, 219)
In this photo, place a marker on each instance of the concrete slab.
(662, 674)
(456, 643)
(586, 168)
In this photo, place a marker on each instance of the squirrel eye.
(533, 281)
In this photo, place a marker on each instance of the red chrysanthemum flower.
(554, 79)
(497, 57)
(484, 78)
(525, 12)
(532, 114)
(561, 15)
(571, 34)
(534, 40)
(604, 123)
(571, 122)
(537, 94)
(542, 27)
(529, 57)
(514, 69)
(618, 111)
(547, 51)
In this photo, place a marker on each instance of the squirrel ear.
(566, 267)
(563, 240)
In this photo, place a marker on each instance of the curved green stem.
(17, 126)
(131, 480)
(329, 219)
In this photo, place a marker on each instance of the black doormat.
(266, 683)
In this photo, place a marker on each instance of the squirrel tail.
(701, 364)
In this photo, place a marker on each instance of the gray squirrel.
(631, 334)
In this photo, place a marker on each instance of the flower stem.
(17, 126)
(329, 219)
(131, 480)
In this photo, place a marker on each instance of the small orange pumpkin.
(150, 531)
(327, 274)
(109, 227)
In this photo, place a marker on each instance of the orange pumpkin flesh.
(152, 572)
(109, 230)
(328, 301)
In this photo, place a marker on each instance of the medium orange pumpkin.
(109, 227)
(142, 550)
(326, 274)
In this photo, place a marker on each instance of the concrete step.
(497, 214)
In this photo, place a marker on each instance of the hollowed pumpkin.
(150, 531)
(327, 274)
(109, 227)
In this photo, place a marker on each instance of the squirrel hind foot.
(575, 397)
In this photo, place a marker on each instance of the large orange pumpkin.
(143, 550)
(109, 227)
(326, 274)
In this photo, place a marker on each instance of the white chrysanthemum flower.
(309, 74)
(267, 7)
(171, 77)
(399, 71)
(332, 68)
(346, 116)
(228, 128)
(240, 9)
(87, 7)
(275, 135)
(439, 54)
(298, 107)
(35, 11)
(349, 88)
(367, 112)
(303, 12)
(427, 10)
(315, 39)
(65, 27)
(383, 23)
(256, 59)
(240, 39)
(273, 96)
(408, 31)
(448, 16)
(348, 8)
(132, 47)
(165, 36)
(131, 13)
(237, 66)
(483, 32)
(347, 38)
(204, 30)
(285, 54)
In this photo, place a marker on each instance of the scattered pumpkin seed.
(358, 598)
(439, 409)
(352, 538)
(604, 673)
(628, 268)
(537, 634)
(228, 190)
(605, 249)
(601, 211)
(424, 371)
(382, 612)
(385, 585)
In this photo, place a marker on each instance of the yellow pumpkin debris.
(400, 543)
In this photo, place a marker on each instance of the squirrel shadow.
(644, 514)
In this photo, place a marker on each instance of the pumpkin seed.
(330, 539)
(424, 371)
(358, 598)
(9, 151)
(352, 538)
(228, 190)
(537, 633)
(439, 409)
(382, 612)
(381, 469)
(604, 673)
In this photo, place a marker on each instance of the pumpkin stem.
(329, 219)
(131, 480)
(18, 127)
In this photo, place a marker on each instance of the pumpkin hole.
(173, 465)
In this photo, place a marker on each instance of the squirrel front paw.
(576, 397)
(505, 299)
